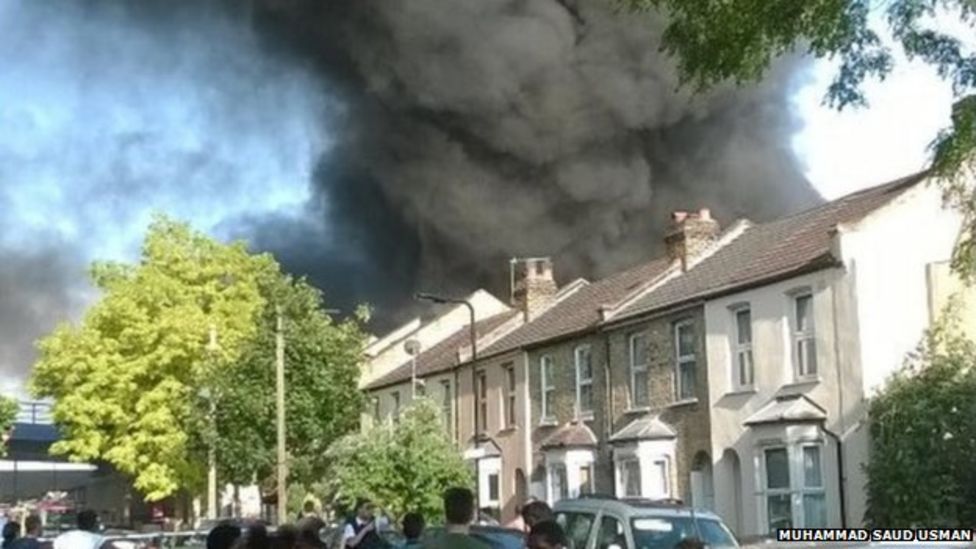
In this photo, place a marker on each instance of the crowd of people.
(361, 531)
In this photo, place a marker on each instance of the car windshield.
(663, 532)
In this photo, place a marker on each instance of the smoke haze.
(377, 147)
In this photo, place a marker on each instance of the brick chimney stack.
(534, 286)
(690, 234)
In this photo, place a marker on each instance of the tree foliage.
(321, 373)
(125, 380)
(923, 438)
(737, 40)
(9, 407)
(401, 467)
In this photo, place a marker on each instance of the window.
(804, 340)
(794, 487)
(493, 486)
(584, 381)
(376, 409)
(395, 409)
(510, 396)
(577, 527)
(586, 479)
(630, 477)
(558, 488)
(481, 389)
(611, 533)
(662, 477)
(742, 370)
(778, 509)
(548, 386)
(684, 366)
(447, 405)
(421, 388)
(639, 396)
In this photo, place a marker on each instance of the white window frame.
(545, 367)
(395, 409)
(510, 419)
(638, 368)
(621, 466)
(447, 405)
(797, 489)
(680, 360)
(665, 470)
(583, 382)
(805, 337)
(551, 474)
(481, 400)
(739, 349)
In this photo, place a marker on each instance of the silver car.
(611, 523)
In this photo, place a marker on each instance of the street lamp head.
(412, 347)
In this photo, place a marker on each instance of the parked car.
(597, 522)
(497, 537)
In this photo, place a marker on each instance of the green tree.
(8, 413)
(721, 40)
(125, 382)
(923, 438)
(402, 467)
(322, 359)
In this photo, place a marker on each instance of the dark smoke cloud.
(473, 131)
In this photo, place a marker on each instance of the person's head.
(88, 520)
(32, 525)
(256, 538)
(285, 537)
(223, 536)
(309, 507)
(364, 509)
(458, 506)
(546, 535)
(413, 525)
(11, 530)
(535, 512)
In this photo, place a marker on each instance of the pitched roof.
(444, 355)
(788, 409)
(792, 245)
(571, 435)
(580, 310)
(644, 428)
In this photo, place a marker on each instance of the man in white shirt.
(85, 537)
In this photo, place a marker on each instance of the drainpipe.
(608, 422)
(840, 396)
(840, 474)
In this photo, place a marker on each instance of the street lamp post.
(473, 335)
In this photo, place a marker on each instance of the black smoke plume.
(474, 131)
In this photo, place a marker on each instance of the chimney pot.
(534, 286)
(690, 235)
(705, 214)
(679, 217)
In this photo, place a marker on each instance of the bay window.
(793, 489)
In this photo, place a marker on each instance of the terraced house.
(731, 372)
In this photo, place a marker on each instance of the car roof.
(632, 507)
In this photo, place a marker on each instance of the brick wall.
(689, 420)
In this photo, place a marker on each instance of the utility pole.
(280, 382)
(212, 450)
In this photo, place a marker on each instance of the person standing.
(413, 528)
(458, 513)
(535, 512)
(223, 536)
(547, 535)
(11, 531)
(360, 530)
(32, 531)
(85, 536)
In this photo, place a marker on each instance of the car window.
(611, 533)
(577, 527)
(715, 534)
